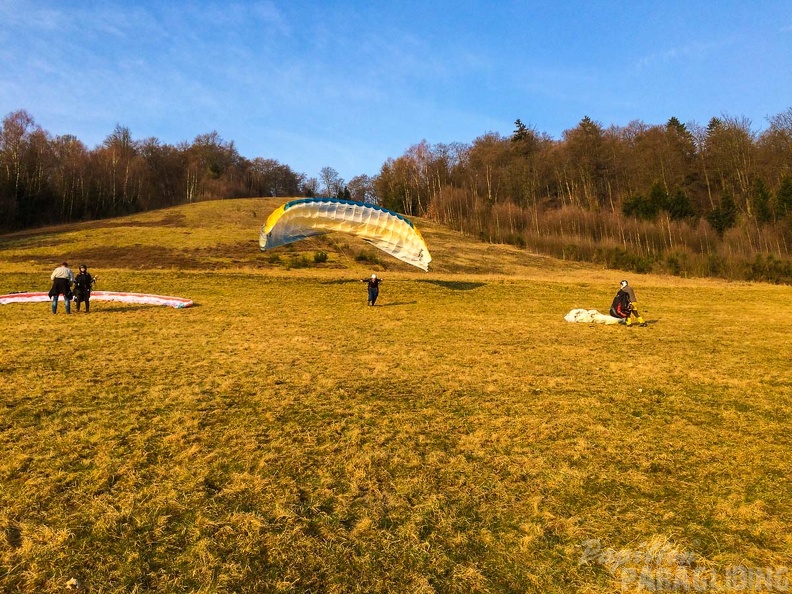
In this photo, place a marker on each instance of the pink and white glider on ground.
(142, 298)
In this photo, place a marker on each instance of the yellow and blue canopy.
(382, 228)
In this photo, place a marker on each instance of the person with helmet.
(83, 284)
(62, 278)
(373, 288)
(625, 305)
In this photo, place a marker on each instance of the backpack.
(620, 308)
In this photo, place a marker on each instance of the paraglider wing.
(142, 298)
(382, 228)
(588, 316)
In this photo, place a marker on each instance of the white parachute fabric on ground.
(590, 316)
(25, 298)
(141, 298)
(382, 228)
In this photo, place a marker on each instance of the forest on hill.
(47, 179)
(675, 198)
(686, 199)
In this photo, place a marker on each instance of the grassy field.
(280, 436)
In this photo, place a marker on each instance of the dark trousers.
(83, 298)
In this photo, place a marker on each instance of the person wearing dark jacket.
(373, 288)
(83, 285)
(625, 305)
(62, 278)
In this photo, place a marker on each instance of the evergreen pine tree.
(658, 200)
(520, 131)
(647, 207)
(724, 217)
(760, 201)
(784, 197)
(679, 206)
(673, 123)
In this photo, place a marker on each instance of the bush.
(770, 269)
(716, 266)
(320, 257)
(674, 263)
(624, 260)
(369, 257)
(301, 262)
(515, 239)
(576, 253)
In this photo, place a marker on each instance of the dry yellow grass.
(462, 437)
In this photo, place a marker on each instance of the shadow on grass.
(42, 236)
(455, 285)
(637, 325)
(396, 303)
(106, 308)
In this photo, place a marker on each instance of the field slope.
(458, 437)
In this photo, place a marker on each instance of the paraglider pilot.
(373, 288)
(83, 284)
(625, 305)
(62, 278)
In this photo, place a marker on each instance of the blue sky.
(349, 84)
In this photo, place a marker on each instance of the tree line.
(678, 198)
(46, 179)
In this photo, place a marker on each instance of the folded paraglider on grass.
(589, 316)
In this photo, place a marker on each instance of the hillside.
(223, 236)
(461, 437)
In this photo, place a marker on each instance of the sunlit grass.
(461, 437)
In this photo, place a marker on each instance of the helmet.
(83, 267)
(623, 283)
(373, 276)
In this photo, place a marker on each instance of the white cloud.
(689, 51)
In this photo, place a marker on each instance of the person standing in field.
(625, 305)
(62, 278)
(373, 288)
(83, 284)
